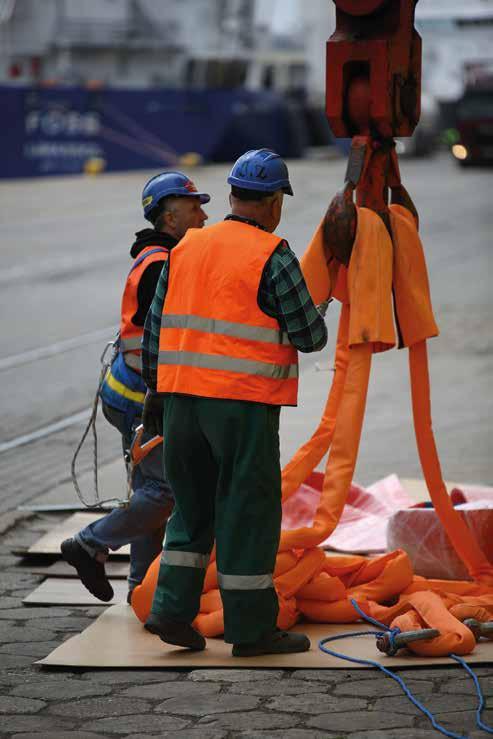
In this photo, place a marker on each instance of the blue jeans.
(142, 523)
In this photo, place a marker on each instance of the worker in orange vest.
(172, 204)
(220, 356)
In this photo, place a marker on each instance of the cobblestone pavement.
(201, 704)
(61, 263)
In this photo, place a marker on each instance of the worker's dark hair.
(243, 194)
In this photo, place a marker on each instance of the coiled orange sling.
(383, 274)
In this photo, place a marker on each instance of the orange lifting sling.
(310, 582)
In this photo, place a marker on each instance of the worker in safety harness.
(173, 205)
(220, 358)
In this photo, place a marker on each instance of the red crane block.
(374, 69)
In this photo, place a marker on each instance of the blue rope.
(479, 693)
(372, 663)
(389, 673)
(368, 618)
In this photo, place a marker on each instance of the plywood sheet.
(50, 542)
(71, 592)
(64, 508)
(117, 639)
(114, 569)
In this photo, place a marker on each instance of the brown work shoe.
(278, 642)
(178, 633)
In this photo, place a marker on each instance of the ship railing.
(113, 33)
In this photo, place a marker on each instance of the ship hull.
(53, 131)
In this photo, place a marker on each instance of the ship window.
(225, 75)
(190, 73)
(233, 73)
(215, 73)
(268, 75)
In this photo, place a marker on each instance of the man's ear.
(169, 218)
(276, 207)
(230, 199)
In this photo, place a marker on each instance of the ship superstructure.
(141, 83)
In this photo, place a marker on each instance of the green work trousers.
(222, 462)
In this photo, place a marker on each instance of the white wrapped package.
(419, 532)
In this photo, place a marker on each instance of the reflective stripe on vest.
(147, 253)
(128, 345)
(245, 582)
(130, 334)
(123, 390)
(229, 364)
(185, 559)
(226, 328)
(215, 341)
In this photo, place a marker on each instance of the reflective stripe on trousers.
(226, 328)
(245, 582)
(229, 364)
(185, 559)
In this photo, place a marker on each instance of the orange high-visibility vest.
(130, 333)
(215, 342)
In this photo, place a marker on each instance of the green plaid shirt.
(282, 294)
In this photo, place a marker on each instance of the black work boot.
(178, 633)
(90, 571)
(277, 642)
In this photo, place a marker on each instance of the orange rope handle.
(457, 530)
(309, 455)
(342, 457)
(430, 611)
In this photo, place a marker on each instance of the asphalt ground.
(64, 256)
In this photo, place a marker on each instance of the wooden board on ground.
(57, 591)
(50, 542)
(64, 508)
(60, 568)
(117, 640)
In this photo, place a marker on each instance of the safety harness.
(121, 388)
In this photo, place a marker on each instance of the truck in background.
(474, 117)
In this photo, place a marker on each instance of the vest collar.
(248, 221)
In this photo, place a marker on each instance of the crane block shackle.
(374, 69)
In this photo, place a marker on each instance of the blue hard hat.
(262, 170)
(169, 183)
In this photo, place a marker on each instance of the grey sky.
(286, 15)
